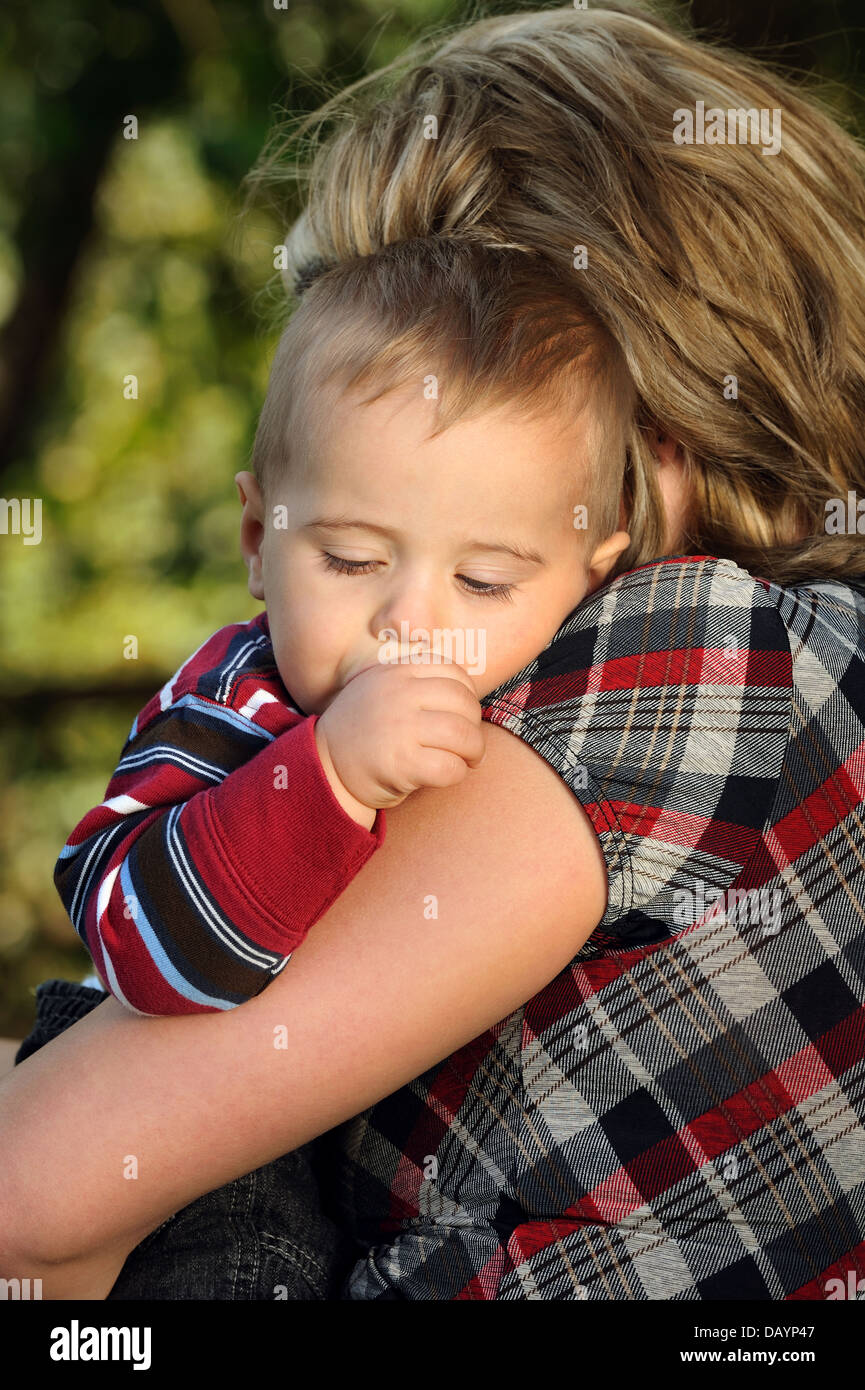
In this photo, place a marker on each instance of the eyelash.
(497, 591)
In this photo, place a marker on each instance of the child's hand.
(397, 727)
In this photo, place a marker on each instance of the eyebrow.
(337, 523)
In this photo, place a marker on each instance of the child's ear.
(605, 556)
(249, 490)
(252, 530)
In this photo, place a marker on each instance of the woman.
(675, 1111)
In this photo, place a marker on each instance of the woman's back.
(680, 1114)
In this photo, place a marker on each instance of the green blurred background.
(150, 257)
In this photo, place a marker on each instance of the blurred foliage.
(174, 283)
(121, 257)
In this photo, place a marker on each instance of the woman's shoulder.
(664, 701)
(680, 582)
(678, 620)
(674, 589)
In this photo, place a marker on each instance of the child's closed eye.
(475, 586)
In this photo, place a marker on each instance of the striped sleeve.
(219, 842)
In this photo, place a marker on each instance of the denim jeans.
(262, 1236)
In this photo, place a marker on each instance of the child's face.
(447, 502)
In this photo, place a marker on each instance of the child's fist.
(397, 727)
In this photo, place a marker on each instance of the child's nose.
(412, 616)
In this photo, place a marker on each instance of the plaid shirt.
(680, 1113)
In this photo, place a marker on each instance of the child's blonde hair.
(470, 328)
(732, 280)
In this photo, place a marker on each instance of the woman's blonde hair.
(731, 279)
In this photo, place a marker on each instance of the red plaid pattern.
(680, 1113)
